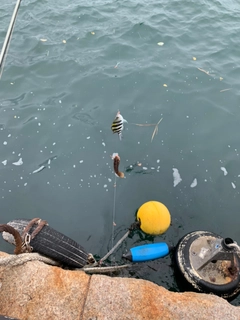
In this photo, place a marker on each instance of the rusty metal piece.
(16, 234)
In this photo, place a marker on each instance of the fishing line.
(7, 40)
(114, 208)
(115, 181)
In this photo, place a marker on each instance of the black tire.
(182, 256)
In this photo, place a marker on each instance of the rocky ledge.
(35, 290)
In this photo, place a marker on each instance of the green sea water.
(69, 68)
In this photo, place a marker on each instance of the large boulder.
(35, 290)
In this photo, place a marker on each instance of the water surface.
(70, 68)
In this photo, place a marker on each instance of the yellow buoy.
(154, 217)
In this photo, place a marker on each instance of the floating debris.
(92, 32)
(233, 185)
(118, 63)
(176, 177)
(43, 40)
(155, 131)
(64, 41)
(4, 162)
(39, 169)
(165, 85)
(194, 183)
(225, 90)
(207, 72)
(18, 163)
(48, 161)
(194, 58)
(160, 43)
(220, 78)
(224, 171)
(144, 124)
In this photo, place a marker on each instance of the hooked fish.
(117, 125)
(116, 162)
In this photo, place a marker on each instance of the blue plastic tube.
(147, 252)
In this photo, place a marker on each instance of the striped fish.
(117, 125)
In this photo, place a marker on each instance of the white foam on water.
(224, 171)
(176, 177)
(194, 183)
(18, 163)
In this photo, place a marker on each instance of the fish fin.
(120, 136)
(124, 120)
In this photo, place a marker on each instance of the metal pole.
(9, 33)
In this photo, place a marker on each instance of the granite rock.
(34, 291)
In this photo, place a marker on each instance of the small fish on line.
(116, 162)
(117, 125)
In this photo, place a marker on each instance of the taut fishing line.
(115, 180)
(114, 208)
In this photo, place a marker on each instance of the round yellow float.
(154, 217)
